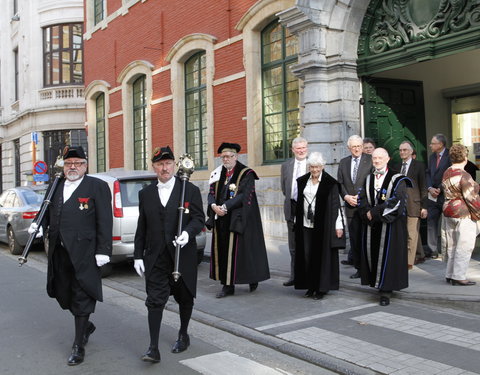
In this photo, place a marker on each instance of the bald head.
(380, 158)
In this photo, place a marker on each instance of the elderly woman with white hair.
(318, 230)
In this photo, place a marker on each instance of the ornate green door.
(394, 112)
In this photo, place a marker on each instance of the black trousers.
(68, 291)
(160, 285)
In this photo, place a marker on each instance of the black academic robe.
(158, 225)
(238, 254)
(384, 256)
(83, 224)
(321, 272)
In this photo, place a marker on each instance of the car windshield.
(33, 196)
(130, 189)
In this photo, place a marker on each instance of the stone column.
(330, 98)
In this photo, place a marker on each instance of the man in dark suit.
(352, 172)
(79, 227)
(155, 243)
(438, 162)
(291, 170)
(416, 199)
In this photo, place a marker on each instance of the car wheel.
(15, 248)
(106, 270)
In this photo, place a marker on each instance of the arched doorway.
(415, 59)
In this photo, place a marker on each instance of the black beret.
(233, 147)
(162, 153)
(73, 152)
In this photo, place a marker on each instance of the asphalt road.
(346, 332)
(36, 335)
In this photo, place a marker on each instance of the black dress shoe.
(448, 280)
(347, 262)
(182, 343)
(308, 294)
(227, 290)
(384, 301)
(152, 355)
(356, 275)
(90, 329)
(463, 282)
(253, 287)
(77, 355)
(318, 295)
(288, 283)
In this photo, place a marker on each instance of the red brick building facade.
(155, 41)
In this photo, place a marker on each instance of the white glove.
(33, 227)
(139, 266)
(102, 259)
(181, 240)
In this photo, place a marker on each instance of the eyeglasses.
(227, 156)
(77, 164)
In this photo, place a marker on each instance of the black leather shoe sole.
(77, 356)
(384, 301)
(288, 283)
(346, 263)
(356, 275)
(152, 355)
(462, 283)
(225, 292)
(181, 344)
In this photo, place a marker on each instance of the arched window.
(100, 132)
(196, 108)
(279, 92)
(139, 124)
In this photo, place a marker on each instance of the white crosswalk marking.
(313, 317)
(362, 353)
(229, 363)
(423, 328)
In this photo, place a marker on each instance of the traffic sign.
(40, 167)
(40, 177)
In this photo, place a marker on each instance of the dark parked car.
(18, 207)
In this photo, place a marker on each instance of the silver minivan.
(124, 186)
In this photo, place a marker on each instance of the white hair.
(354, 137)
(316, 159)
(299, 140)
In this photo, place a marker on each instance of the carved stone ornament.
(401, 22)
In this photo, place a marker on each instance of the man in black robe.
(155, 244)
(78, 223)
(384, 256)
(238, 254)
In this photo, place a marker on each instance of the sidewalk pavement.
(427, 284)
(426, 280)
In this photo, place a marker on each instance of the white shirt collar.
(167, 185)
(74, 183)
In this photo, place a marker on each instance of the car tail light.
(29, 215)
(116, 238)
(117, 200)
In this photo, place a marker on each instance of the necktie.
(297, 174)
(404, 169)
(438, 159)
(355, 170)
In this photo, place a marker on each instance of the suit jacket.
(435, 175)
(417, 196)
(157, 227)
(344, 178)
(84, 226)
(286, 178)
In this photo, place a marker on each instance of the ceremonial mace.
(186, 166)
(43, 209)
